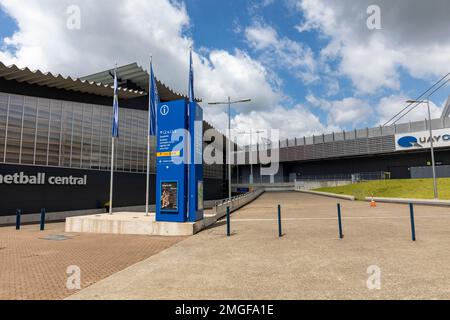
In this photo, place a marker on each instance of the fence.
(353, 177)
(316, 182)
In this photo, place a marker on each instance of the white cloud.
(261, 37)
(282, 52)
(348, 111)
(292, 122)
(391, 105)
(131, 31)
(412, 38)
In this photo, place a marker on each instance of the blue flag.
(115, 125)
(191, 81)
(153, 103)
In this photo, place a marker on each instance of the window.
(75, 135)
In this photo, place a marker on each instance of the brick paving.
(33, 268)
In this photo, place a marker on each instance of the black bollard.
(280, 229)
(341, 234)
(18, 214)
(413, 227)
(42, 219)
(228, 223)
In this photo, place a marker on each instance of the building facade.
(59, 129)
(370, 150)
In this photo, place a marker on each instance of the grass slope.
(411, 188)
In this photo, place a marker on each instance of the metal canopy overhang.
(138, 76)
(99, 84)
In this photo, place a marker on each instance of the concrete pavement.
(309, 262)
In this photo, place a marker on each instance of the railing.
(354, 177)
(236, 202)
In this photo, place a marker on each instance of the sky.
(309, 66)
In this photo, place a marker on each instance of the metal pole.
(147, 202)
(280, 229)
(413, 227)
(257, 156)
(228, 222)
(341, 235)
(251, 158)
(112, 178)
(433, 163)
(18, 214)
(42, 219)
(229, 149)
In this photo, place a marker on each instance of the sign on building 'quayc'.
(421, 140)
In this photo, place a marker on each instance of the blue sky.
(7, 25)
(311, 66)
(215, 24)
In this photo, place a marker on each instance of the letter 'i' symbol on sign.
(164, 110)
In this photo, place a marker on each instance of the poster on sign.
(169, 196)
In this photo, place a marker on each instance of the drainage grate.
(57, 237)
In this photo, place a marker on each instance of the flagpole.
(147, 197)
(191, 98)
(153, 100)
(147, 204)
(115, 133)
(112, 177)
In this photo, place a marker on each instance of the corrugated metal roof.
(98, 84)
(136, 74)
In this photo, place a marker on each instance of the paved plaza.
(34, 268)
(309, 262)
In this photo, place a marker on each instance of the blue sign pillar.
(179, 162)
(195, 201)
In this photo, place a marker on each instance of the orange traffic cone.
(373, 204)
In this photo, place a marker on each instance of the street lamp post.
(433, 162)
(229, 103)
(251, 152)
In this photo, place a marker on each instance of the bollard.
(228, 222)
(18, 214)
(42, 219)
(341, 235)
(280, 229)
(413, 227)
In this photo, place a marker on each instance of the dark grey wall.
(398, 164)
(129, 190)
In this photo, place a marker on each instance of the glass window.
(77, 135)
(14, 129)
(96, 137)
(29, 130)
(67, 134)
(43, 123)
(3, 117)
(87, 137)
(54, 138)
(106, 138)
(66, 144)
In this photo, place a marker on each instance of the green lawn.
(411, 188)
